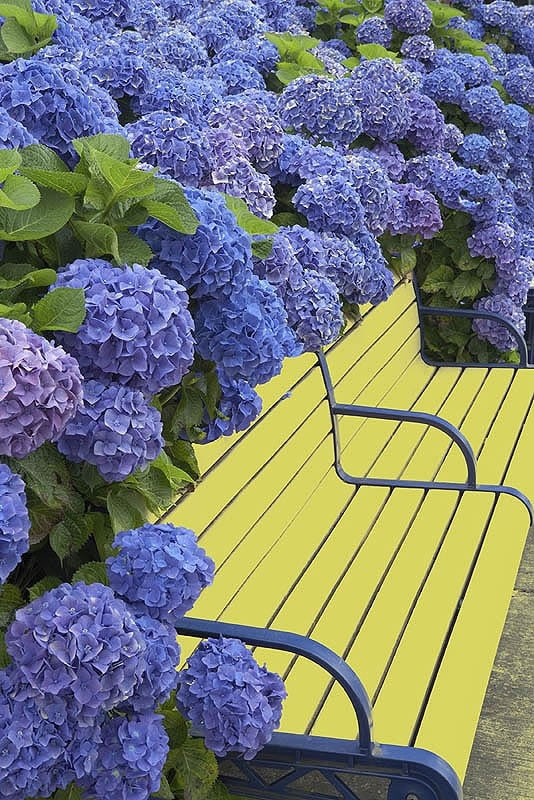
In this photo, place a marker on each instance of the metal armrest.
(300, 646)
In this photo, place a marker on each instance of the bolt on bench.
(399, 557)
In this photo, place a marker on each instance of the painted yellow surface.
(411, 587)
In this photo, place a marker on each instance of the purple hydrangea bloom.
(331, 204)
(313, 308)
(40, 389)
(256, 51)
(173, 144)
(54, 104)
(428, 171)
(331, 59)
(237, 702)
(13, 134)
(308, 248)
(443, 85)
(131, 758)
(115, 430)
(452, 138)
(519, 83)
(89, 647)
(499, 241)
(243, 16)
(475, 151)
(374, 190)
(390, 159)
(159, 570)
(251, 122)
(467, 190)
(483, 104)
(374, 281)
(120, 11)
(14, 521)
(343, 262)
(162, 658)
(427, 127)
(138, 329)
(239, 406)
(223, 146)
(213, 262)
(286, 169)
(374, 30)
(408, 16)
(247, 336)
(490, 330)
(176, 47)
(414, 211)
(237, 75)
(323, 107)
(239, 179)
(279, 263)
(117, 65)
(420, 47)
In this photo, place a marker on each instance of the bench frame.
(414, 773)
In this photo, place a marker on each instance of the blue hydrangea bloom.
(115, 429)
(286, 169)
(515, 280)
(323, 107)
(55, 105)
(212, 30)
(343, 262)
(374, 281)
(390, 159)
(236, 75)
(443, 85)
(331, 204)
(408, 16)
(237, 702)
(279, 263)
(374, 30)
(40, 389)
(13, 134)
(499, 241)
(118, 65)
(420, 47)
(256, 51)
(120, 11)
(138, 329)
(475, 151)
(223, 146)
(159, 570)
(176, 146)
(176, 47)
(252, 123)
(467, 190)
(89, 647)
(131, 758)
(331, 59)
(374, 190)
(382, 104)
(239, 179)
(168, 90)
(216, 261)
(498, 57)
(247, 336)
(414, 211)
(452, 138)
(490, 330)
(519, 83)
(14, 521)
(427, 127)
(162, 658)
(473, 70)
(242, 16)
(239, 406)
(484, 105)
(473, 27)
(500, 14)
(313, 308)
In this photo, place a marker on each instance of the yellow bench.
(410, 586)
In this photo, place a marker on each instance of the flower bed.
(190, 193)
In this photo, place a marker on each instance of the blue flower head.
(236, 75)
(484, 105)
(14, 521)
(415, 211)
(247, 335)
(115, 429)
(374, 190)
(237, 702)
(420, 47)
(138, 330)
(307, 246)
(159, 570)
(162, 657)
(519, 83)
(118, 65)
(443, 85)
(313, 308)
(239, 179)
(286, 169)
(374, 30)
(408, 16)
(280, 262)
(256, 51)
(374, 282)
(216, 261)
(176, 47)
(331, 204)
(120, 11)
(13, 134)
(475, 151)
(490, 330)
(390, 159)
(427, 128)
(239, 406)
(251, 122)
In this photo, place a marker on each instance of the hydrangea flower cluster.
(14, 521)
(239, 406)
(237, 702)
(160, 570)
(313, 308)
(40, 389)
(138, 329)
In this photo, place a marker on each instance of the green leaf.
(371, 51)
(287, 72)
(112, 144)
(100, 240)
(219, 792)
(62, 309)
(38, 156)
(289, 44)
(171, 207)
(18, 311)
(100, 527)
(183, 456)
(19, 193)
(196, 770)
(372, 6)
(66, 182)
(175, 727)
(22, 13)
(5, 660)
(10, 160)
(465, 285)
(42, 586)
(15, 37)
(133, 250)
(69, 536)
(440, 278)
(91, 572)
(125, 179)
(351, 63)
(10, 599)
(352, 19)
(245, 219)
(442, 14)
(164, 792)
(46, 473)
(262, 248)
(49, 215)
(126, 508)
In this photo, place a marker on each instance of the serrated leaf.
(39, 156)
(69, 536)
(15, 37)
(10, 599)
(100, 527)
(465, 285)
(442, 14)
(262, 248)
(69, 183)
(183, 456)
(219, 792)
(195, 770)
(124, 179)
(371, 51)
(10, 160)
(171, 206)
(46, 473)
(352, 19)
(42, 586)
(112, 144)
(126, 508)
(62, 309)
(164, 792)
(175, 726)
(440, 278)
(290, 44)
(92, 572)
(133, 250)
(100, 240)
(22, 14)
(5, 660)
(49, 215)
(18, 311)
(19, 193)
(245, 219)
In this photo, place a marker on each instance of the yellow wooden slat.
(451, 717)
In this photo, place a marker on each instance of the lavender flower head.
(40, 389)
(239, 406)
(331, 204)
(374, 30)
(138, 329)
(88, 647)
(115, 429)
(251, 122)
(499, 241)
(390, 159)
(237, 702)
(408, 16)
(239, 179)
(159, 570)
(216, 261)
(14, 521)
(414, 211)
(13, 134)
(162, 657)
(490, 330)
(427, 127)
(313, 308)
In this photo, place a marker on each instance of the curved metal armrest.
(370, 412)
(301, 646)
(474, 312)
